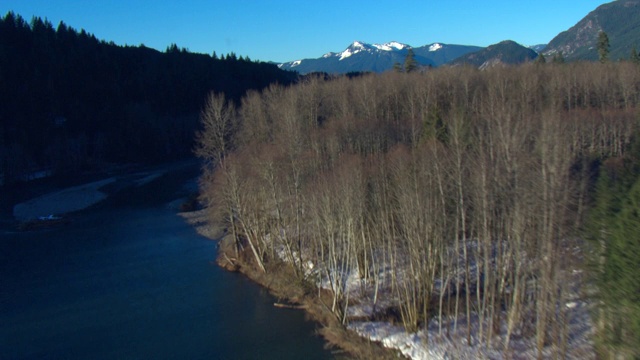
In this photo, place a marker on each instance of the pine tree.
(614, 228)
(635, 57)
(172, 49)
(603, 46)
(540, 59)
(622, 281)
(410, 63)
(397, 67)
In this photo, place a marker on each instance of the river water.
(130, 279)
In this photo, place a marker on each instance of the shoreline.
(282, 283)
(62, 201)
(370, 336)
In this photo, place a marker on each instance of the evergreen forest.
(71, 102)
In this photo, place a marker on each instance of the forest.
(490, 201)
(71, 102)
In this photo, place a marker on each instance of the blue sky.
(284, 30)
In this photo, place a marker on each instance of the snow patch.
(296, 63)
(435, 47)
(395, 337)
(63, 201)
(390, 46)
(347, 53)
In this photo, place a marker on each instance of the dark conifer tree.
(120, 103)
(603, 46)
(634, 57)
(410, 63)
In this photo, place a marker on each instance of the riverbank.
(376, 332)
(47, 200)
(280, 280)
(130, 279)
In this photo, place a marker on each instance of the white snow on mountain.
(345, 54)
(435, 47)
(359, 46)
(391, 46)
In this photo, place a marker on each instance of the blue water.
(131, 280)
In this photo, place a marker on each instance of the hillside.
(72, 102)
(619, 19)
(505, 52)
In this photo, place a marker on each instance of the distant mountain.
(619, 19)
(505, 52)
(361, 56)
(538, 48)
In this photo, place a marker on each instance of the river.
(129, 279)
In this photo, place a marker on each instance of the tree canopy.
(119, 103)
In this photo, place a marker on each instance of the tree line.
(479, 193)
(71, 101)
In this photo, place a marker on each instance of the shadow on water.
(130, 279)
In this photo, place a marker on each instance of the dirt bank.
(283, 284)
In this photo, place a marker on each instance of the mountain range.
(361, 56)
(620, 19)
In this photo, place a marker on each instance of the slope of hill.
(505, 52)
(361, 56)
(619, 19)
(70, 101)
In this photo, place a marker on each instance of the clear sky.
(285, 30)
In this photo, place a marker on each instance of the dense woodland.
(482, 193)
(72, 102)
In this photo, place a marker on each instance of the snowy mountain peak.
(377, 57)
(359, 46)
(435, 47)
(391, 46)
(354, 48)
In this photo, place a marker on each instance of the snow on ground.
(431, 344)
(80, 197)
(63, 201)
(145, 179)
(440, 340)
